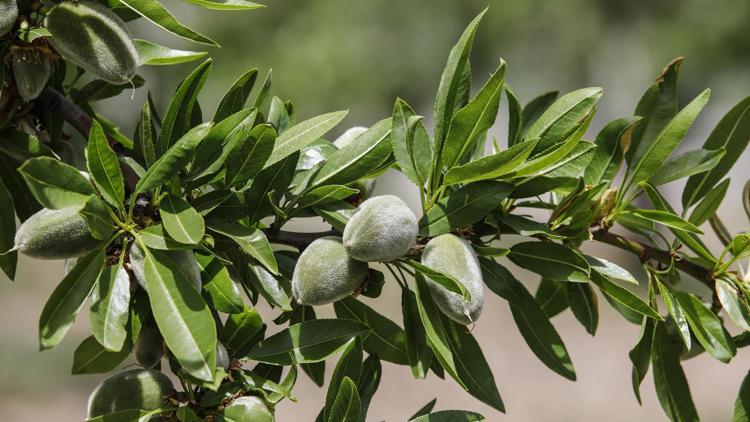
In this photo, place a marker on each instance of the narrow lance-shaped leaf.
(183, 318)
(584, 305)
(92, 358)
(550, 260)
(235, 98)
(248, 158)
(493, 166)
(733, 134)
(55, 184)
(707, 327)
(8, 260)
(687, 164)
(386, 341)
(143, 143)
(473, 119)
(181, 220)
(417, 349)
(742, 403)
(104, 167)
(623, 295)
(302, 134)
(348, 366)
(152, 54)
(111, 308)
(252, 241)
(464, 206)
(613, 141)
(347, 405)
(159, 15)
(672, 387)
(67, 299)
(411, 148)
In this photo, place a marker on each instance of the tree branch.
(298, 240)
(646, 252)
(56, 102)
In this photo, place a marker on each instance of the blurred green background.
(360, 55)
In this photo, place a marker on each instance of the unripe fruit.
(250, 409)
(93, 37)
(347, 137)
(143, 389)
(325, 273)
(382, 228)
(55, 234)
(31, 72)
(149, 347)
(222, 356)
(8, 15)
(454, 256)
(185, 260)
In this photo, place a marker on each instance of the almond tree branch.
(55, 102)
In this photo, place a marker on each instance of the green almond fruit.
(454, 256)
(31, 72)
(143, 389)
(93, 37)
(325, 273)
(8, 15)
(55, 234)
(383, 228)
(149, 348)
(248, 409)
(185, 260)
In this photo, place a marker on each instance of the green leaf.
(733, 134)
(347, 406)
(111, 307)
(434, 328)
(303, 134)
(240, 331)
(316, 371)
(252, 241)
(687, 164)
(473, 120)
(155, 237)
(159, 15)
(410, 143)
(563, 117)
(387, 340)
(450, 416)
(22, 146)
(178, 119)
(152, 54)
(270, 287)
(526, 226)
(451, 84)
(555, 154)
(181, 221)
(640, 356)
(248, 159)
(665, 218)
(471, 366)
(104, 167)
(98, 218)
(307, 342)
(535, 108)
(67, 299)
(552, 297)
(465, 206)
(707, 207)
(275, 179)
(533, 324)
(742, 404)
(226, 4)
(610, 269)
(369, 382)
(665, 142)
(493, 166)
(349, 366)
(584, 305)
(736, 306)
(324, 195)
(612, 142)
(676, 312)
(221, 142)
(174, 160)
(622, 295)
(514, 116)
(672, 387)
(220, 291)
(337, 213)
(144, 137)
(92, 358)
(8, 260)
(550, 260)
(418, 351)
(445, 280)
(360, 157)
(183, 318)
(706, 327)
(424, 410)
(234, 99)
(55, 184)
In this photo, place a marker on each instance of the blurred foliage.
(334, 54)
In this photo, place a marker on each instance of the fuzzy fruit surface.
(55, 234)
(143, 389)
(31, 72)
(93, 37)
(382, 228)
(185, 260)
(325, 273)
(8, 15)
(454, 256)
(149, 347)
(250, 409)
